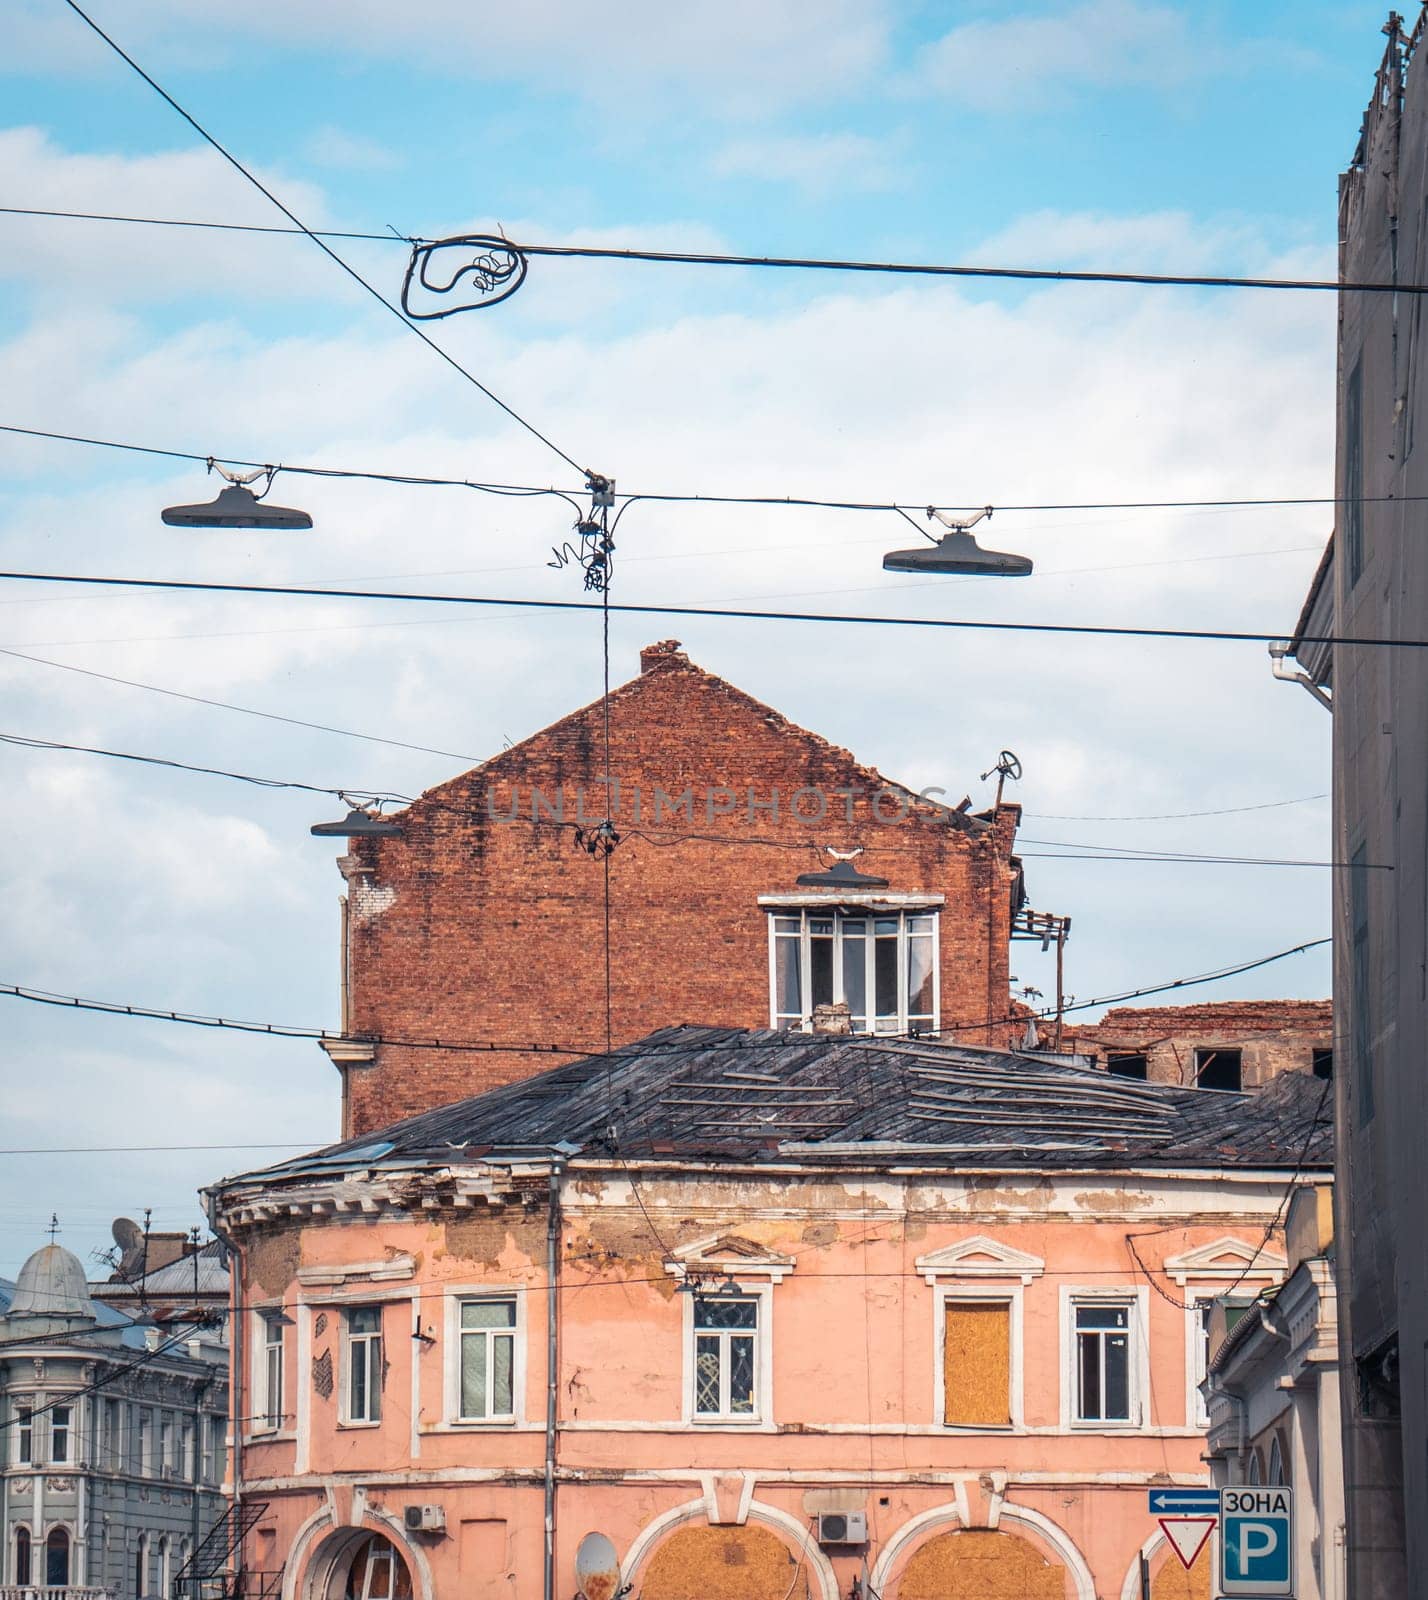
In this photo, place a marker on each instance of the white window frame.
(166, 1444)
(368, 1341)
(1138, 1362)
(269, 1362)
(988, 1293)
(840, 912)
(61, 1431)
(25, 1434)
(465, 1295)
(144, 1428)
(762, 1414)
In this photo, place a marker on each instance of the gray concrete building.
(1373, 587)
(113, 1440)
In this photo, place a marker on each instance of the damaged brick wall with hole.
(1232, 1044)
(471, 927)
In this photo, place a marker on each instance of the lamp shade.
(356, 825)
(236, 507)
(841, 875)
(958, 551)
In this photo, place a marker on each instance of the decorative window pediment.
(729, 1255)
(979, 1257)
(1225, 1258)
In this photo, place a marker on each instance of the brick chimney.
(832, 1017)
(665, 654)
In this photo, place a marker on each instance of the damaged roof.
(736, 1095)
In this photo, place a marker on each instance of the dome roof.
(52, 1284)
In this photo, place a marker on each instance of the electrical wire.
(326, 249)
(1070, 852)
(730, 613)
(805, 501)
(721, 259)
(546, 1047)
(247, 711)
(145, 1149)
(1175, 816)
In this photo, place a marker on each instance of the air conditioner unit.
(842, 1527)
(425, 1519)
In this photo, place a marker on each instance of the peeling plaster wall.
(854, 1353)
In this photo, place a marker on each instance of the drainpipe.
(236, 1401)
(1278, 650)
(552, 1374)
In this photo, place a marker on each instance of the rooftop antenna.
(1008, 765)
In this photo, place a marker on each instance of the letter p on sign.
(1257, 1541)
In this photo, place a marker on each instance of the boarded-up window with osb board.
(1170, 1580)
(704, 1563)
(981, 1565)
(976, 1362)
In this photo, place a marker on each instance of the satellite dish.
(597, 1568)
(129, 1236)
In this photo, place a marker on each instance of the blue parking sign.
(1257, 1541)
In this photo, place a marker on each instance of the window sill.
(343, 1423)
(728, 1422)
(1081, 1425)
(262, 1436)
(512, 1421)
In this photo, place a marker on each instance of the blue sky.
(1112, 133)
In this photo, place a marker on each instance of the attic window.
(1127, 1064)
(883, 968)
(1219, 1069)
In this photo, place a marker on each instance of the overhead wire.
(227, 705)
(730, 613)
(326, 249)
(1066, 851)
(546, 1047)
(715, 258)
(419, 480)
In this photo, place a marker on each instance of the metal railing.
(63, 1591)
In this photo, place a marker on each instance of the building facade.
(1272, 1392)
(777, 1314)
(113, 1442)
(1373, 586)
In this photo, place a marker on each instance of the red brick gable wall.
(471, 927)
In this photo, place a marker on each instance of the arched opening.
(357, 1564)
(22, 1556)
(141, 1567)
(699, 1562)
(1276, 1462)
(57, 1559)
(982, 1564)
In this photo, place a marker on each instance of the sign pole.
(1144, 1577)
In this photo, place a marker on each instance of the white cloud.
(1036, 59)
(176, 889)
(741, 56)
(817, 163)
(94, 264)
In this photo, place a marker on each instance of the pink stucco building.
(779, 1314)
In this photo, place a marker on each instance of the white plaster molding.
(726, 1254)
(391, 1270)
(979, 1257)
(1226, 1258)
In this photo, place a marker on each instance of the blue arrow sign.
(1184, 1502)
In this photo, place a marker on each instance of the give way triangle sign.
(1187, 1536)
